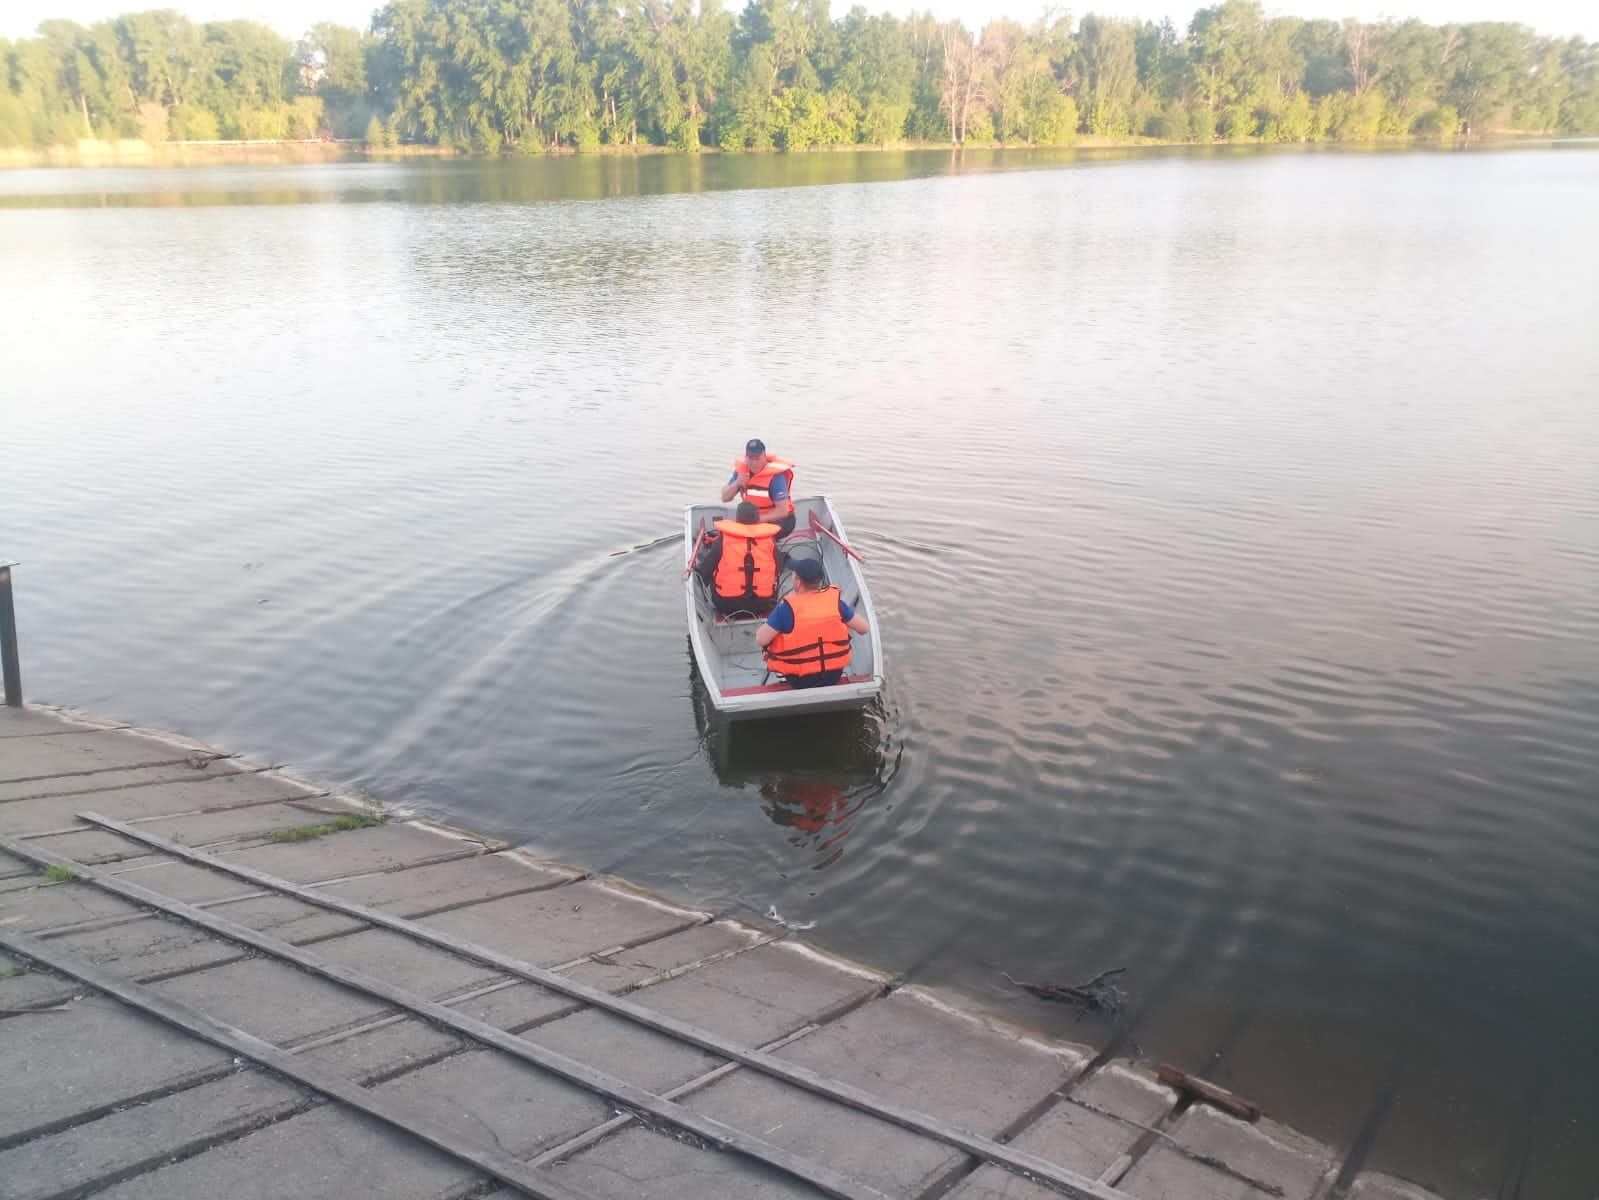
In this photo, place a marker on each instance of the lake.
(1233, 521)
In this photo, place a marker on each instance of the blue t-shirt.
(781, 618)
(779, 488)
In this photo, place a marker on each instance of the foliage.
(528, 76)
(1442, 122)
(192, 123)
(342, 823)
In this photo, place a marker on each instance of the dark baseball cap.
(808, 569)
(755, 446)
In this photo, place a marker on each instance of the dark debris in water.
(1097, 995)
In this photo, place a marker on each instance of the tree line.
(533, 76)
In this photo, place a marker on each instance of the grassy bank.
(132, 152)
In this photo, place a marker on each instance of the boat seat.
(763, 689)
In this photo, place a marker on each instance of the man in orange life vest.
(740, 561)
(766, 482)
(806, 638)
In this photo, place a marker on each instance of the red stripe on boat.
(783, 687)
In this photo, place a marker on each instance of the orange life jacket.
(820, 641)
(758, 487)
(748, 566)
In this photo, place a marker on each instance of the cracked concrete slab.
(890, 1158)
(515, 1006)
(639, 1164)
(548, 928)
(182, 881)
(1289, 1167)
(1106, 1115)
(246, 824)
(624, 1049)
(89, 845)
(758, 996)
(405, 962)
(79, 753)
(397, 1046)
(351, 852)
(980, 1077)
(325, 1154)
(88, 1055)
(1126, 1093)
(42, 905)
(183, 793)
(144, 1135)
(443, 885)
(33, 722)
(638, 963)
(1068, 1134)
(494, 1100)
(270, 999)
(149, 946)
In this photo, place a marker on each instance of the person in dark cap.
(740, 562)
(806, 637)
(766, 482)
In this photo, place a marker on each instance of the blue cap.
(755, 446)
(808, 569)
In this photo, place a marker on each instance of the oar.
(694, 550)
(817, 525)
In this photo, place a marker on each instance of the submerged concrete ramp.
(218, 981)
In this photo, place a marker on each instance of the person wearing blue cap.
(806, 636)
(766, 482)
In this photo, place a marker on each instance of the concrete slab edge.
(925, 995)
(95, 724)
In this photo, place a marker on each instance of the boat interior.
(734, 659)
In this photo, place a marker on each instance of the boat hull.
(733, 668)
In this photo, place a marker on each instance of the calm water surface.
(1234, 524)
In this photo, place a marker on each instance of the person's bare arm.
(859, 623)
(764, 635)
(736, 488)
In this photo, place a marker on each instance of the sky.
(19, 18)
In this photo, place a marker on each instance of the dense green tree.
(1224, 53)
(1108, 71)
(1484, 69)
(534, 75)
(331, 60)
(877, 70)
(1579, 108)
(1321, 46)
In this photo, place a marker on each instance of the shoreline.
(134, 153)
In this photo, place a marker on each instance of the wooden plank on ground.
(1069, 1182)
(830, 1182)
(492, 1162)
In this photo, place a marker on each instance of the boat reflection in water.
(815, 775)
